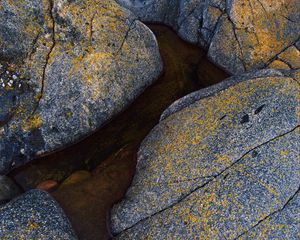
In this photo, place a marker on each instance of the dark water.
(186, 69)
(113, 148)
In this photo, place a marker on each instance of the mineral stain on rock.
(114, 146)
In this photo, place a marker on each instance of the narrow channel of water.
(114, 146)
(186, 69)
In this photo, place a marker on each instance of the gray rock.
(195, 147)
(8, 189)
(210, 91)
(240, 35)
(258, 192)
(34, 215)
(283, 224)
(71, 67)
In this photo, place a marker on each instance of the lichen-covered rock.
(219, 165)
(66, 68)
(240, 35)
(34, 215)
(197, 95)
(8, 189)
(282, 224)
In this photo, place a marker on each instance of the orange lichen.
(261, 28)
(31, 123)
(32, 226)
(292, 56)
(277, 64)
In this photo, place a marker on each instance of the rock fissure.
(214, 177)
(241, 58)
(48, 56)
(283, 50)
(33, 46)
(269, 215)
(130, 28)
(91, 30)
(261, 4)
(179, 24)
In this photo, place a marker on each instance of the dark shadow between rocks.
(110, 153)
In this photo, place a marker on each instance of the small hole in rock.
(245, 119)
(254, 154)
(258, 110)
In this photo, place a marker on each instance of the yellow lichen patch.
(32, 123)
(102, 26)
(102, 20)
(199, 143)
(277, 64)
(214, 14)
(261, 28)
(90, 66)
(188, 217)
(292, 56)
(189, 141)
(32, 226)
(297, 76)
(285, 153)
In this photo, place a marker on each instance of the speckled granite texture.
(34, 215)
(231, 155)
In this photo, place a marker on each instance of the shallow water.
(113, 148)
(186, 69)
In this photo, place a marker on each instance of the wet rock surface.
(8, 189)
(240, 35)
(67, 67)
(182, 185)
(34, 215)
(48, 185)
(88, 203)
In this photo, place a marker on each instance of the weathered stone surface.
(210, 91)
(34, 215)
(240, 35)
(67, 68)
(240, 201)
(239, 143)
(8, 189)
(283, 224)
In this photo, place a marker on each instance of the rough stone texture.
(8, 189)
(283, 224)
(67, 67)
(256, 191)
(34, 215)
(232, 155)
(210, 91)
(240, 35)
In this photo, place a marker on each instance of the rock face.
(66, 68)
(222, 164)
(240, 35)
(8, 189)
(34, 215)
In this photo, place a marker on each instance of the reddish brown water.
(113, 148)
